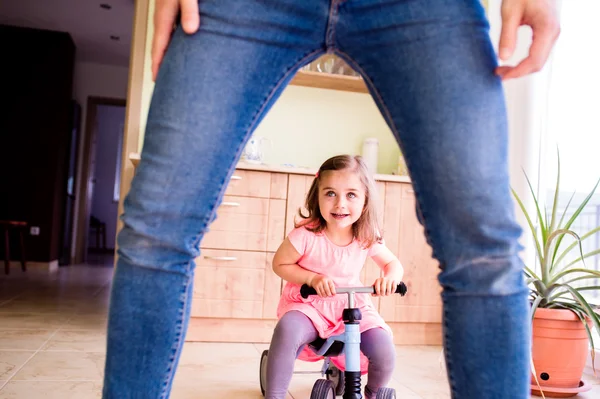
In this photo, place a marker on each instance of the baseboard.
(35, 267)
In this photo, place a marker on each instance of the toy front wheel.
(263, 371)
(336, 376)
(386, 393)
(323, 389)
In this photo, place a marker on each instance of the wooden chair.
(7, 226)
(100, 230)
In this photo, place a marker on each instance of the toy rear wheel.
(336, 376)
(323, 389)
(386, 393)
(263, 371)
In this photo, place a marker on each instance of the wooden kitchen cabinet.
(235, 289)
(416, 316)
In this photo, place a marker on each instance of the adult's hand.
(541, 16)
(165, 12)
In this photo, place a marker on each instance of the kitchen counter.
(135, 158)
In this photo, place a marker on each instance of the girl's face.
(341, 198)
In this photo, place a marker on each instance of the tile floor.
(52, 345)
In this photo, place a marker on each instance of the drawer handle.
(229, 203)
(225, 258)
(236, 177)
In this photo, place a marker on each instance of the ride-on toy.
(337, 383)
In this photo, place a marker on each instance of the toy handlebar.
(305, 290)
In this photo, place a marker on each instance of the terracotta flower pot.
(560, 348)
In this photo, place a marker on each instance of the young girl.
(328, 249)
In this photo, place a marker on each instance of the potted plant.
(562, 318)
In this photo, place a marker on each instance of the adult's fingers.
(541, 46)
(511, 20)
(164, 18)
(190, 18)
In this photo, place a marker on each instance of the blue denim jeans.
(429, 66)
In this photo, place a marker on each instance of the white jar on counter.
(370, 153)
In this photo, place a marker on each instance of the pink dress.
(343, 265)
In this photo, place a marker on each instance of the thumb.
(190, 18)
(511, 20)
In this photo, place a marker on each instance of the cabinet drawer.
(242, 223)
(247, 223)
(234, 284)
(247, 183)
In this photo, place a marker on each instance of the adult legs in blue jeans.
(430, 67)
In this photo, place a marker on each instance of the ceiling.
(90, 26)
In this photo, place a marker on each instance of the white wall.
(94, 80)
(99, 81)
(111, 120)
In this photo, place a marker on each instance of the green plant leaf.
(590, 274)
(556, 233)
(554, 261)
(582, 257)
(578, 270)
(570, 247)
(543, 226)
(556, 193)
(540, 287)
(551, 289)
(591, 313)
(531, 273)
(535, 305)
(529, 222)
(578, 211)
(566, 209)
(589, 288)
(530, 280)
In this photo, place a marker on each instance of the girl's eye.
(330, 194)
(351, 195)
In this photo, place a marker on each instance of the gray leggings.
(294, 330)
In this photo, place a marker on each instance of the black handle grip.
(305, 290)
(401, 289)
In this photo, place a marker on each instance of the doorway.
(99, 191)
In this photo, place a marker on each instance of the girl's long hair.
(366, 229)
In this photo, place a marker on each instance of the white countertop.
(135, 158)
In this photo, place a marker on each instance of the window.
(573, 125)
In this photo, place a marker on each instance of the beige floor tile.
(40, 305)
(218, 370)
(36, 321)
(93, 322)
(233, 390)
(67, 366)
(402, 391)
(422, 370)
(219, 362)
(79, 340)
(11, 362)
(23, 339)
(51, 390)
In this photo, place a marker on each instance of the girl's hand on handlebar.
(323, 285)
(384, 286)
